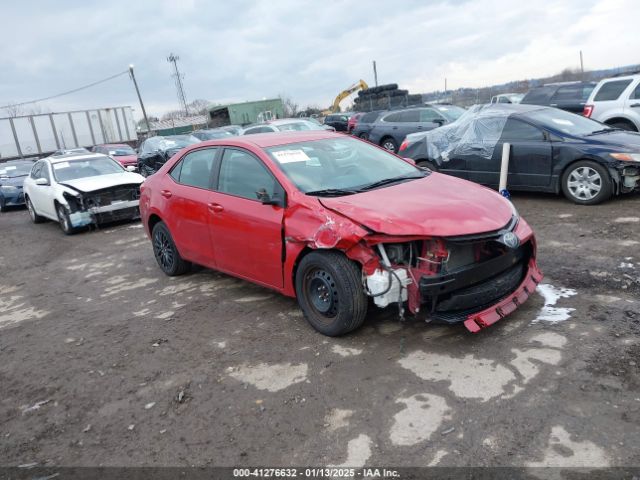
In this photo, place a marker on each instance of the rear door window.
(196, 168)
(394, 117)
(410, 116)
(611, 90)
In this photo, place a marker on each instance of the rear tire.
(166, 252)
(35, 218)
(587, 183)
(628, 126)
(330, 293)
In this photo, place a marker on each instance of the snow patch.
(346, 351)
(422, 416)
(271, 377)
(551, 295)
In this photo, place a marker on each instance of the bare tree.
(14, 110)
(199, 107)
(290, 107)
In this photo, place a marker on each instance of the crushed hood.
(437, 205)
(91, 184)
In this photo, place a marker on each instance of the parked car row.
(551, 151)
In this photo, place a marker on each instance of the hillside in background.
(470, 96)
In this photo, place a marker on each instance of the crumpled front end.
(474, 279)
(101, 206)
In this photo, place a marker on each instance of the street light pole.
(144, 112)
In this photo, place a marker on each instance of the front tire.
(330, 293)
(35, 218)
(64, 221)
(166, 252)
(587, 183)
(428, 164)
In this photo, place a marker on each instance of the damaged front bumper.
(471, 280)
(627, 177)
(108, 213)
(479, 320)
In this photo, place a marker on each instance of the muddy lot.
(105, 361)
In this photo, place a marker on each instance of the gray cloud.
(310, 50)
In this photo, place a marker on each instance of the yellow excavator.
(360, 85)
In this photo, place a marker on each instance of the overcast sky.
(237, 50)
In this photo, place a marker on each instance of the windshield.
(169, 143)
(450, 112)
(121, 151)
(15, 170)
(566, 122)
(338, 164)
(92, 167)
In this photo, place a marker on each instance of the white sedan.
(81, 189)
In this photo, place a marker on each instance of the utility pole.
(144, 112)
(375, 73)
(178, 79)
(581, 65)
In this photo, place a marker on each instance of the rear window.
(611, 90)
(573, 92)
(539, 95)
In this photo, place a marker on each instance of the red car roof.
(265, 140)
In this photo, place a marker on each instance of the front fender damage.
(474, 281)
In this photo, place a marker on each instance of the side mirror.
(41, 181)
(130, 168)
(440, 121)
(410, 160)
(266, 199)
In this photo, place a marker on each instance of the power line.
(68, 92)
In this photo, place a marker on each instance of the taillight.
(588, 110)
(404, 145)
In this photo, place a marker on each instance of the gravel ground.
(106, 361)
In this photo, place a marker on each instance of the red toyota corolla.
(333, 220)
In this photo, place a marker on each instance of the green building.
(246, 113)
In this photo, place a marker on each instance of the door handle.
(166, 193)
(394, 128)
(215, 207)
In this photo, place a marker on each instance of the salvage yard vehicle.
(285, 125)
(12, 175)
(551, 151)
(339, 121)
(120, 152)
(78, 189)
(569, 96)
(212, 134)
(332, 220)
(155, 151)
(616, 102)
(390, 129)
